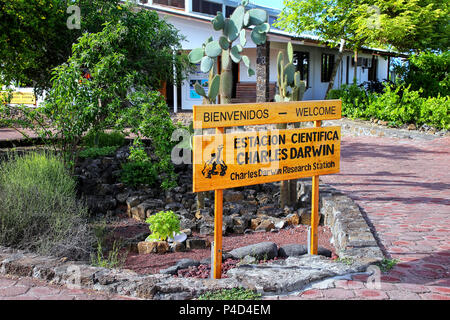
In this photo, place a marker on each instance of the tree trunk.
(355, 69)
(262, 72)
(335, 68)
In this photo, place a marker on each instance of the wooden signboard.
(21, 97)
(247, 114)
(238, 159)
(247, 158)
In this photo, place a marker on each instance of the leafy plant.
(354, 100)
(110, 77)
(96, 152)
(387, 264)
(148, 116)
(231, 294)
(163, 225)
(137, 152)
(36, 34)
(139, 173)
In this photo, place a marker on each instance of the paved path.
(403, 186)
(15, 288)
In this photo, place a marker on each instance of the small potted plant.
(162, 225)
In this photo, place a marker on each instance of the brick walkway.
(403, 186)
(14, 288)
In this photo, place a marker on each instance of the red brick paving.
(403, 186)
(15, 288)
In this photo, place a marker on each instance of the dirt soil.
(152, 263)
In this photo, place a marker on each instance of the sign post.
(314, 240)
(218, 217)
(228, 160)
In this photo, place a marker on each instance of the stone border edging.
(351, 236)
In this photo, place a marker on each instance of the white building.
(314, 60)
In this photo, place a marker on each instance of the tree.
(107, 83)
(408, 25)
(35, 38)
(353, 24)
(332, 20)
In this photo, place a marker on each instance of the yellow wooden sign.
(246, 158)
(237, 159)
(245, 114)
(21, 97)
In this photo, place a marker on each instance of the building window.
(301, 61)
(372, 76)
(207, 7)
(327, 67)
(170, 3)
(229, 11)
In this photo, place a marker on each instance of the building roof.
(304, 37)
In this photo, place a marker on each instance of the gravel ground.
(152, 263)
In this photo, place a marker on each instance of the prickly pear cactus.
(233, 30)
(290, 87)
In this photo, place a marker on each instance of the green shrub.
(436, 112)
(39, 209)
(231, 294)
(354, 100)
(427, 71)
(138, 173)
(148, 116)
(397, 105)
(96, 152)
(103, 139)
(163, 225)
(137, 152)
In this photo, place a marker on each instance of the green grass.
(231, 294)
(112, 259)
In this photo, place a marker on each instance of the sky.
(277, 4)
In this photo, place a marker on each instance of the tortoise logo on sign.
(215, 165)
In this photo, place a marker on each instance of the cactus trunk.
(233, 28)
(290, 88)
(226, 78)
